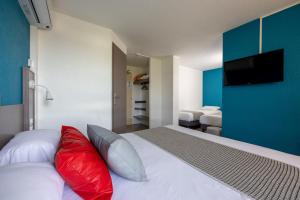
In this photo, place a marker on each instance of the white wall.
(34, 34)
(75, 63)
(167, 90)
(176, 61)
(155, 92)
(190, 88)
(163, 91)
(118, 42)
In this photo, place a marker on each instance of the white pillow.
(30, 146)
(210, 108)
(30, 181)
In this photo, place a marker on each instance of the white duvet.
(30, 181)
(173, 179)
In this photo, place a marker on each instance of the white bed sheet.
(69, 194)
(192, 115)
(210, 112)
(173, 179)
(211, 120)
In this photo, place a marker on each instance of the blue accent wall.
(14, 51)
(266, 114)
(212, 87)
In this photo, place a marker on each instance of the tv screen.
(261, 68)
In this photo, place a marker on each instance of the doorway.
(130, 96)
(137, 92)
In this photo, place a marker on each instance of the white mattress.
(171, 178)
(211, 120)
(192, 115)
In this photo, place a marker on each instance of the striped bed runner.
(258, 177)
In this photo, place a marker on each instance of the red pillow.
(82, 168)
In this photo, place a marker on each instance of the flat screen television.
(261, 68)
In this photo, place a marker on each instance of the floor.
(131, 128)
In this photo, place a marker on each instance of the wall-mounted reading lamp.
(49, 96)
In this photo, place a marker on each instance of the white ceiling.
(190, 29)
(137, 60)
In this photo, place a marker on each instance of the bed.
(173, 178)
(190, 118)
(211, 120)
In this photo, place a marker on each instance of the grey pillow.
(119, 154)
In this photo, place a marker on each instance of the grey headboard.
(16, 118)
(5, 139)
(11, 119)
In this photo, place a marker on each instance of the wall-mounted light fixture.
(33, 86)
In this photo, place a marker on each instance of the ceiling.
(190, 29)
(137, 60)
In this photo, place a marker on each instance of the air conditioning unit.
(37, 13)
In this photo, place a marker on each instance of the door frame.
(113, 84)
